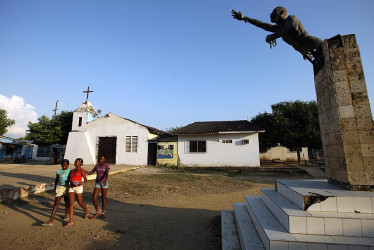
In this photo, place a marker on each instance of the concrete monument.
(344, 111)
(345, 118)
(318, 214)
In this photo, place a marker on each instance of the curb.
(23, 192)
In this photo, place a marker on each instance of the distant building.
(219, 144)
(121, 140)
(12, 148)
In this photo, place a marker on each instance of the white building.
(121, 140)
(219, 144)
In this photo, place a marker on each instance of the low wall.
(284, 154)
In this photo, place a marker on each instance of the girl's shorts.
(101, 185)
(77, 190)
(61, 190)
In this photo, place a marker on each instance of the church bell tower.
(81, 116)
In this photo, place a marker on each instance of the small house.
(219, 144)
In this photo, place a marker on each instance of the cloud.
(21, 112)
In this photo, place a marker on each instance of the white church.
(120, 140)
(123, 141)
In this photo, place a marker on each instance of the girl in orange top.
(76, 190)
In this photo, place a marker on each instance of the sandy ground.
(148, 208)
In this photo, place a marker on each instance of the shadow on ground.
(26, 177)
(153, 227)
(126, 226)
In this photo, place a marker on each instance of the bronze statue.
(291, 30)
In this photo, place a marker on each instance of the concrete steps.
(321, 196)
(230, 236)
(296, 220)
(280, 223)
(249, 239)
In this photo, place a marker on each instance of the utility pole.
(55, 110)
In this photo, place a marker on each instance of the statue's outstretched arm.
(255, 22)
(291, 26)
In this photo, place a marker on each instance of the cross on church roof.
(88, 92)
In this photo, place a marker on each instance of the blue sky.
(165, 63)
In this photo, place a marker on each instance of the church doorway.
(107, 146)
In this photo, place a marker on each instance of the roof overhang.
(227, 132)
(241, 132)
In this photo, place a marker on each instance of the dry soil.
(148, 208)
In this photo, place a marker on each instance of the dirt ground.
(147, 208)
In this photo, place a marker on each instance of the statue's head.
(279, 13)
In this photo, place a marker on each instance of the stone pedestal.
(345, 116)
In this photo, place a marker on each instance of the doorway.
(107, 146)
(152, 153)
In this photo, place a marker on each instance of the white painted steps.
(249, 239)
(271, 232)
(296, 220)
(230, 238)
(303, 214)
(326, 197)
(275, 236)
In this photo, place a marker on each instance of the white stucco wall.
(78, 147)
(284, 154)
(220, 154)
(112, 126)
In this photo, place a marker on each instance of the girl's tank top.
(76, 177)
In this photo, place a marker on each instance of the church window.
(131, 144)
(80, 122)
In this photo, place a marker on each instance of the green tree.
(50, 131)
(65, 119)
(5, 122)
(292, 124)
(267, 122)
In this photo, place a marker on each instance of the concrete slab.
(296, 220)
(20, 180)
(276, 236)
(249, 238)
(314, 171)
(321, 196)
(230, 240)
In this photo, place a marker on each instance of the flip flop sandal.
(69, 224)
(96, 214)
